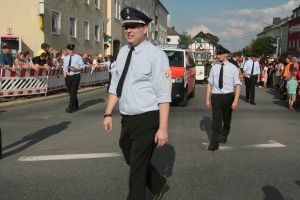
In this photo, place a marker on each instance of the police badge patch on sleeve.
(166, 74)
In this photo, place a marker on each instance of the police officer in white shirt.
(142, 84)
(73, 64)
(252, 76)
(224, 87)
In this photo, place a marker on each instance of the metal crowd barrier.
(28, 82)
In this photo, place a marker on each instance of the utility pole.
(277, 47)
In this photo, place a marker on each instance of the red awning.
(10, 38)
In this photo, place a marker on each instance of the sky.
(235, 22)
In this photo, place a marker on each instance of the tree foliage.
(262, 46)
(214, 38)
(184, 38)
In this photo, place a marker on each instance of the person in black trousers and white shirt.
(252, 76)
(73, 64)
(224, 87)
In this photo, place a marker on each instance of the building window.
(97, 4)
(55, 23)
(97, 33)
(297, 42)
(85, 30)
(86, 1)
(72, 27)
(293, 43)
(127, 2)
(289, 44)
(117, 9)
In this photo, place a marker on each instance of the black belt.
(225, 94)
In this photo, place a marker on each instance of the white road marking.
(220, 147)
(271, 144)
(68, 157)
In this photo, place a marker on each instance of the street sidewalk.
(42, 97)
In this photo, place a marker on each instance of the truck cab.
(183, 71)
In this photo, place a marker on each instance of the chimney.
(173, 28)
(276, 20)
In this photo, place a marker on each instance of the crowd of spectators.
(279, 74)
(48, 58)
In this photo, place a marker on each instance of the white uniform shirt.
(230, 78)
(148, 82)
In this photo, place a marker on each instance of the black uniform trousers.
(221, 107)
(72, 83)
(250, 87)
(137, 144)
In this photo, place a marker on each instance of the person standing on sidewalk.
(5, 58)
(252, 76)
(142, 85)
(224, 87)
(73, 64)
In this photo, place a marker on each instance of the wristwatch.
(107, 115)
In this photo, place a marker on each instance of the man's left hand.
(234, 105)
(161, 137)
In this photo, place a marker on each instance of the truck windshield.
(175, 58)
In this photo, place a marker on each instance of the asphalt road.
(259, 162)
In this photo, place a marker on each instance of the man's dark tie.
(69, 65)
(221, 77)
(123, 76)
(252, 69)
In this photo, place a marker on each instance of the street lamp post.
(275, 25)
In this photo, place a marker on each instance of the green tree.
(214, 38)
(262, 46)
(184, 38)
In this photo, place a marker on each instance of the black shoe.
(68, 110)
(247, 100)
(76, 108)
(223, 139)
(158, 196)
(212, 148)
(253, 103)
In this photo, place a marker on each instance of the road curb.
(44, 98)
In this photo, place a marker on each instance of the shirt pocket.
(141, 73)
(228, 78)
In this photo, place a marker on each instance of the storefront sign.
(295, 28)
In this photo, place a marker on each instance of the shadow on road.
(272, 193)
(298, 183)
(242, 97)
(35, 137)
(163, 160)
(205, 125)
(91, 103)
(2, 111)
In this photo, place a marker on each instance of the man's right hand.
(108, 124)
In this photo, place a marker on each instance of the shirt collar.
(139, 47)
